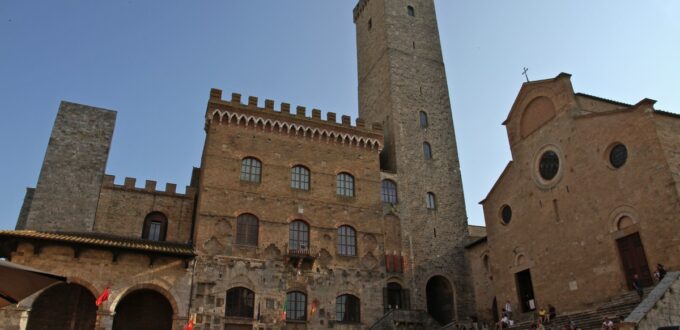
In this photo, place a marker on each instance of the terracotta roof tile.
(104, 240)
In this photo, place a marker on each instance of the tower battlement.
(359, 8)
(235, 112)
(130, 184)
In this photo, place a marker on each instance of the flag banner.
(103, 297)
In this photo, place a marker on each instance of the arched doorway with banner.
(143, 309)
(63, 306)
(440, 299)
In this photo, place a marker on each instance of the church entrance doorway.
(63, 306)
(634, 260)
(143, 309)
(525, 290)
(440, 299)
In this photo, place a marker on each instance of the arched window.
(296, 306)
(345, 185)
(411, 12)
(427, 151)
(155, 226)
(298, 235)
(251, 169)
(347, 309)
(388, 191)
(246, 229)
(240, 303)
(423, 119)
(347, 241)
(431, 201)
(299, 178)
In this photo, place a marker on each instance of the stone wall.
(66, 196)
(123, 208)
(660, 309)
(401, 72)
(267, 268)
(482, 279)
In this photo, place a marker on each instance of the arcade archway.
(440, 299)
(63, 306)
(143, 309)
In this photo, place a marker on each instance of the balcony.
(301, 257)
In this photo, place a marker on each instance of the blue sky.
(155, 62)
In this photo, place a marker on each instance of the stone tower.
(402, 84)
(67, 193)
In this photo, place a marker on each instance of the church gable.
(537, 103)
(539, 111)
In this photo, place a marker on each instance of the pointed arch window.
(411, 11)
(423, 119)
(347, 241)
(299, 177)
(155, 226)
(347, 309)
(247, 229)
(251, 169)
(388, 191)
(240, 303)
(427, 151)
(431, 201)
(345, 185)
(296, 306)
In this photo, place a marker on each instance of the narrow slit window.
(431, 201)
(411, 12)
(423, 115)
(427, 151)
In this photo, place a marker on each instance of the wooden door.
(634, 260)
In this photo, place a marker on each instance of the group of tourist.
(544, 316)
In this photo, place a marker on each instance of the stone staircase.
(406, 319)
(616, 310)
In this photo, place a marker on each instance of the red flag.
(103, 297)
(190, 325)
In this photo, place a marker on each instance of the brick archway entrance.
(440, 299)
(63, 306)
(143, 309)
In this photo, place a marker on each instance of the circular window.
(549, 165)
(618, 155)
(506, 214)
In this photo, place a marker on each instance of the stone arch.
(242, 281)
(63, 306)
(440, 296)
(539, 111)
(618, 214)
(133, 311)
(146, 286)
(521, 259)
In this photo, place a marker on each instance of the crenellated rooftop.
(359, 8)
(149, 187)
(234, 112)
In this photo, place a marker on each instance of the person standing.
(637, 286)
(508, 308)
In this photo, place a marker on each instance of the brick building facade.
(335, 223)
(589, 199)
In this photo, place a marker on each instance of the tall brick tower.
(402, 84)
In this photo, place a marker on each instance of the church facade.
(589, 200)
(291, 221)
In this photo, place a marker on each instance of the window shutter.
(405, 299)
